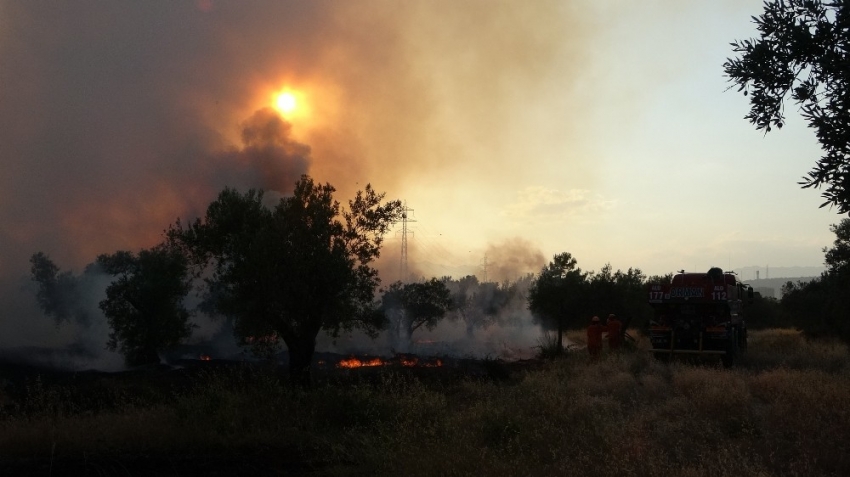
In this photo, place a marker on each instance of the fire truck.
(700, 314)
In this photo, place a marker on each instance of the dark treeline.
(278, 273)
(801, 55)
(563, 296)
(479, 305)
(819, 307)
(285, 273)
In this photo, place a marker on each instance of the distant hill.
(770, 279)
(773, 286)
(755, 272)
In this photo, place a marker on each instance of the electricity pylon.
(404, 220)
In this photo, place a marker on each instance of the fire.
(436, 364)
(353, 362)
(205, 357)
(406, 361)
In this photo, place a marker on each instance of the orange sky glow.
(513, 130)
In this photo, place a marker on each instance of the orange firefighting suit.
(615, 335)
(594, 338)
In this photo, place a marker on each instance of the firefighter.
(615, 332)
(594, 337)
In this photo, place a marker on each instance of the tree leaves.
(804, 52)
(291, 270)
(144, 305)
(821, 307)
(422, 303)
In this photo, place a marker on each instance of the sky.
(513, 130)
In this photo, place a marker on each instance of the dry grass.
(788, 348)
(784, 412)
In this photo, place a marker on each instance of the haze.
(514, 130)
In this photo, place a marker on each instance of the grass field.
(783, 411)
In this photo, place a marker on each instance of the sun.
(293, 103)
(286, 102)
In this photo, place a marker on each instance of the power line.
(404, 220)
(434, 244)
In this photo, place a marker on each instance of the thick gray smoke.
(269, 158)
(493, 322)
(76, 343)
(118, 117)
(511, 258)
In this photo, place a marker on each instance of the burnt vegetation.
(567, 416)
(289, 271)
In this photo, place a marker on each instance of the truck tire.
(731, 351)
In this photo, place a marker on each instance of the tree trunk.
(561, 319)
(408, 329)
(300, 360)
(560, 334)
(141, 357)
(404, 331)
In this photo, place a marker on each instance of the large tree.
(463, 292)
(144, 305)
(557, 294)
(632, 303)
(837, 258)
(803, 52)
(478, 304)
(59, 294)
(821, 307)
(288, 271)
(416, 305)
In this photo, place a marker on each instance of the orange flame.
(205, 357)
(406, 361)
(353, 362)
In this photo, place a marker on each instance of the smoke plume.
(119, 117)
(513, 258)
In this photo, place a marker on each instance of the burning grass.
(408, 361)
(783, 412)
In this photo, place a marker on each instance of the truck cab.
(700, 314)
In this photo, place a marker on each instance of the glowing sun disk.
(286, 102)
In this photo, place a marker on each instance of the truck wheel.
(731, 351)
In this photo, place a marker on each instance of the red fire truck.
(700, 314)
